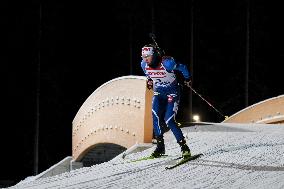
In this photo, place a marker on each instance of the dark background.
(81, 45)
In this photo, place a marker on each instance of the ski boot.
(184, 149)
(160, 149)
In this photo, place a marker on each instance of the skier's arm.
(149, 80)
(171, 65)
(183, 69)
(143, 64)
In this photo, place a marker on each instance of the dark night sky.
(84, 45)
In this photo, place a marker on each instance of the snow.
(235, 156)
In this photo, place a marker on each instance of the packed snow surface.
(235, 156)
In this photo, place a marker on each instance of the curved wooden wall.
(118, 112)
(267, 111)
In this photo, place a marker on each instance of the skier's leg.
(172, 107)
(156, 111)
(164, 127)
(163, 124)
(171, 111)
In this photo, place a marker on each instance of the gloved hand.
(149, 83)
(187, 82)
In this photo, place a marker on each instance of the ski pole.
(153, 37)
(207, 102)
(162, 52)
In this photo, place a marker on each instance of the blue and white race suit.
(166, 94)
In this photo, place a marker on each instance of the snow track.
(235, 156)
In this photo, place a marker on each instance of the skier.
(159, 71)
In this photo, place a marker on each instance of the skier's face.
(148, 59)
(147, 54)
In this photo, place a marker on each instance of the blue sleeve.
(183, 69)
(143, 65)
(170, 65)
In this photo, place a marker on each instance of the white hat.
(146, 51)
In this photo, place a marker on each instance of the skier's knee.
(169, 121)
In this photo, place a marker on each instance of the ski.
(184, 160)
(148, 158)
(143, 158)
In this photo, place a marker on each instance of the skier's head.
(151, 55)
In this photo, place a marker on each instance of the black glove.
(149, 83)
(187, 82)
